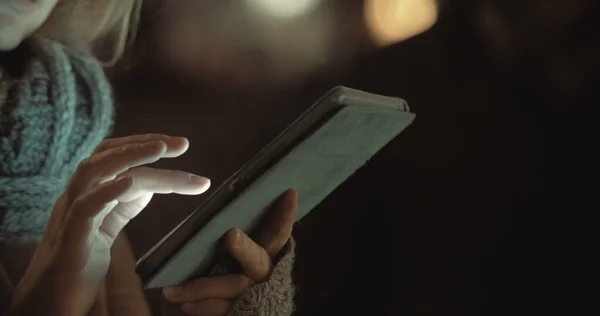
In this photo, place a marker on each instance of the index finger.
(175, 145)
(110, 163)
(276, 228)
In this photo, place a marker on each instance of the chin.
(8, 41)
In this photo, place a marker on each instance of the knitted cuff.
(274, 297)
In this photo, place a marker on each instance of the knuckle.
(78, 207)
(84, 166)
(103, 145)
(81, 172)
(264, 263)
(242, 282)
(275, 235)
(282, 236)
(122, 149)
(79, 204)
(72, 189)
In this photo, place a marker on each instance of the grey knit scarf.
(58, 112)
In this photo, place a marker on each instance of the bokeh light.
(283, 9)
(391, 21)
(234, 44)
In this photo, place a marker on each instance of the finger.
(210, 307)
(276, 228)
(164, 181)
(253, 259)
(120, 141)
(79, 222)
(149, 181)
(219, 287)
(176, 146)
(113, 222)
(106, 165)
(57, 218)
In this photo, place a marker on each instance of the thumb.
(252, 258)
(275, 229)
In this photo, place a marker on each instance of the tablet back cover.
(314, 168)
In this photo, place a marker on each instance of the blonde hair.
(106, 27)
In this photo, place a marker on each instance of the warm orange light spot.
(391, 21)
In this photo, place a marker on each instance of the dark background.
(485, 206)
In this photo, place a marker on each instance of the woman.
(56, 108)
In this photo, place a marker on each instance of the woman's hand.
(215, 296)
(108, 190)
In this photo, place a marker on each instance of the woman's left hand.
(215, 296)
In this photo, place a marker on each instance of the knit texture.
(275, 297)
(60, 110)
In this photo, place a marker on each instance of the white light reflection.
(283, 9)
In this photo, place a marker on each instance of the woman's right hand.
(108, 190)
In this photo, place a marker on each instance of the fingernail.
(178, 138)
(171, 291)
(239, 236)
(178, 141)
(199, 179)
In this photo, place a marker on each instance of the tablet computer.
(314, 155)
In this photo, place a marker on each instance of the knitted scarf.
(58, 112)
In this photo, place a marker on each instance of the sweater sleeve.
(274, 297)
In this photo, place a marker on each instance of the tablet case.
(314, 168)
